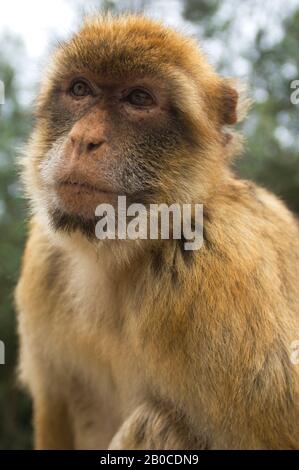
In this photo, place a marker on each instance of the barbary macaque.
(142, 344)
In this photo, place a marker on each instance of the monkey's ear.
(233, 101)
(228, 104)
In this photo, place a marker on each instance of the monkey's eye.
(140, 98)
(80, 88)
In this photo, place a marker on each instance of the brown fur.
(174, 350)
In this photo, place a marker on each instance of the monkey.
(141, 344)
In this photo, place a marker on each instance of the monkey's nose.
(85, 145)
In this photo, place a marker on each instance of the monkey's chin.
(75, 209)
(69, 223)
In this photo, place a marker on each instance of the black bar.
(134, 459)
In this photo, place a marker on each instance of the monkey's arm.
(52, 426)
(153, 428)
(36, 306)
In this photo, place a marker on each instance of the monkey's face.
(109, 139)
(123, 111)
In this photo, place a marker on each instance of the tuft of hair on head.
(234, 102)
(234, 105)
(244, 100)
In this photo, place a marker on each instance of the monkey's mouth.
(82, 198)
(81, 186)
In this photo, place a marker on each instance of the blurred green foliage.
(271, 158)
(15, 123)
(271, 155)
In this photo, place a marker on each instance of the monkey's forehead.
(132, 45)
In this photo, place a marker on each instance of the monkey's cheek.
(82, 201)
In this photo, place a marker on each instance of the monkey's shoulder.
(252, 214)
(250, 234)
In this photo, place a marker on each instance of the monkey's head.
(127, 107)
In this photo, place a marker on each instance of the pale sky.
(35, 21)
(39, 21)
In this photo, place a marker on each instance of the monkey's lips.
(82, 198)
